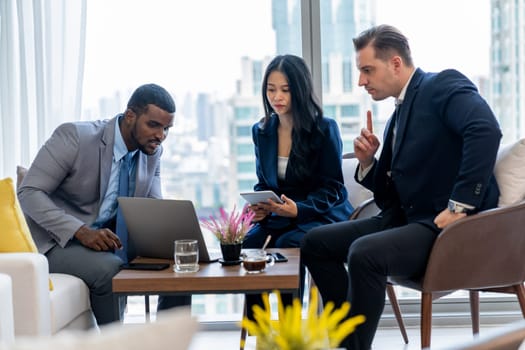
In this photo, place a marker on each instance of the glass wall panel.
(213, 65)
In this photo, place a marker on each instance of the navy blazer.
(321, 199)
(445, 148)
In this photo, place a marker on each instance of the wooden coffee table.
(212, 278)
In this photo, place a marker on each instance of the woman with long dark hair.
(298, 156)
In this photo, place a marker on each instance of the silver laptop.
(154, 224)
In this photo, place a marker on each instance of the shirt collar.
(403, 92)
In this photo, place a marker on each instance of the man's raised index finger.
(369, 121)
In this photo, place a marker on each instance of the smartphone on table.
(145, 266)
(278, 257)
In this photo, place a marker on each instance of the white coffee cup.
(186, 255)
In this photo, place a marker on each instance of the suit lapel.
(106, 156)
(404, 111)
(268, 152)
(386, 152)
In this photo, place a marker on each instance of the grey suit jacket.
(64, 187)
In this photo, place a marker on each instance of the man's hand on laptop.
(100, 240)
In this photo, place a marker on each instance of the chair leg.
(243, 330)
(426, 319)
(147, 308)
(520, 292)
(397, 311)
(474, 310)
(311, 284)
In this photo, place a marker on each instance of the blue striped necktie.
(123, 191)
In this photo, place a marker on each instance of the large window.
(211, 56)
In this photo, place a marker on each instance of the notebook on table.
(154, 224)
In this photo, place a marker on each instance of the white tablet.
(260, 196)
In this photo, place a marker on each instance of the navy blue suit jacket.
(445, 148)
(322, 198)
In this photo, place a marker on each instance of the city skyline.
(120, 55)
(199, 122)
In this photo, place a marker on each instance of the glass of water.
(186, 255)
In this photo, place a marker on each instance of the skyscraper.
(507, 68)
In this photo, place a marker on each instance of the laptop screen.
(154, 224)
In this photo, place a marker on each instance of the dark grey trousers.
(97, 269)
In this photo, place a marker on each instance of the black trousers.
(373, 249)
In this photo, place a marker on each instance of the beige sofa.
(36, 309)
(173, 330)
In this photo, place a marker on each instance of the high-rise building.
(343, 100)
(205, 119)
(286, 22)
(247, 109)
(507, 67)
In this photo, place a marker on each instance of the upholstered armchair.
(481, 253)
(37, 309)
(43, 303)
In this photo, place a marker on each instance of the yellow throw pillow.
(14, 232)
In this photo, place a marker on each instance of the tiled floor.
(443, 338)
(386, 339)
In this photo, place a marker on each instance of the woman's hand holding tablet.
(260, 197)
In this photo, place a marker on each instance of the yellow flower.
(291, 332)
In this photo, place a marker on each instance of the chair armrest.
(29, 273)
(366, 209)
(484, 250)
(7, 327)
(509, 336)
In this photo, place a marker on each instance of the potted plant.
(292, 332)
(230, 229)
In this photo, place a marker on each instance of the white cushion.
(30, 277)
(510, 173)
(173, 329)
(69, 299)
(357, 193)
(36, 309)
(7, 323)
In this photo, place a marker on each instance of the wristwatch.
(456, 208)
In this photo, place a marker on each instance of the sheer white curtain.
(42, 47)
